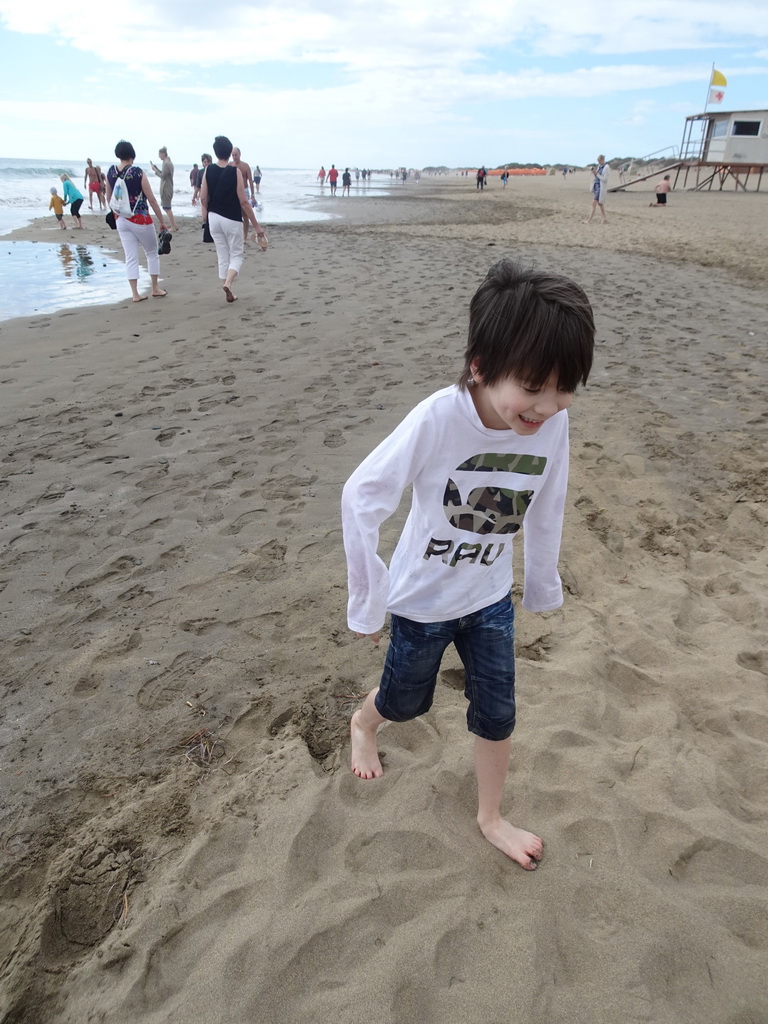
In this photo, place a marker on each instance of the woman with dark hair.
(135, 228)
(224, 205)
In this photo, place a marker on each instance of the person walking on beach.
(248, 184)
(662, 189)
(333, 177)
(103, 189)
(600, 174)
(133, 222)
(193, 182)
(346, 182)
(57, 205)
(73, 198)
(206, 160)
(165, 174)
(481, 457)
(257, 179)
(92, 181)
(321, 176)
(224, 205)
(245, 170)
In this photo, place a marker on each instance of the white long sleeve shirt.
(473, 489)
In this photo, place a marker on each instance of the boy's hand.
(375, 637)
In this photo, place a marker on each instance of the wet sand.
(181, 836)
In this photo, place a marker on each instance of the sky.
(373, 83)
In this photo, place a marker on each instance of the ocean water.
(42, 277)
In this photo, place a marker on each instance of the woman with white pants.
(224, 204)
(137, 230)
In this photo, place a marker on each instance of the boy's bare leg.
(491, 761)
(365, 722)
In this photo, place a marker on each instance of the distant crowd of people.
(331, 178)
(225, 186)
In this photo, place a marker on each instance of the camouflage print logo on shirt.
(492, 509)
(530, 465)
(487, 509)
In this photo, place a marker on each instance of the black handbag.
(207, 236)
(110, 219)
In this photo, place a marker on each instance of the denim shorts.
(485, 641)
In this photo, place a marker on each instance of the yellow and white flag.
(719, 79)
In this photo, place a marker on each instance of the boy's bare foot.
(523, 847)
(229, 294)
(140, 298)
(365, 755)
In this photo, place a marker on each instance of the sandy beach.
(181, 836)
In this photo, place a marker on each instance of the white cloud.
(385, 75)
(393, 34)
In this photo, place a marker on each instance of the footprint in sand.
(161, 690)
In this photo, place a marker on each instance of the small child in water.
(57, 205)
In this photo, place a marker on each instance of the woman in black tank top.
(225, 206)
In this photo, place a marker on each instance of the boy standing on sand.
(662, 190)
(481, 457)
(57, 205)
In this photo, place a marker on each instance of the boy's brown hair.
(528, 324)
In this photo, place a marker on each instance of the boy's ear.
(476, 372)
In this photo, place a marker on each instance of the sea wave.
(36, 172)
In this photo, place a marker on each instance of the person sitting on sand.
(136, 229)
(225, 205)
(662, 189)
(73, 198)
(480, 456)
(57, 205)
(600, 174)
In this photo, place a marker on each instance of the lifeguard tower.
(718, 147)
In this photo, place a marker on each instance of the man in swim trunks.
(245, 170)
(333, 177)
(662, 189)
(92, 179)
(247, 173)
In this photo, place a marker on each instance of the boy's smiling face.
(510, 405)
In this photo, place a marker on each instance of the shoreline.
(181, 831)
